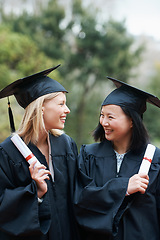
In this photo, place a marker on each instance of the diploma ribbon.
(29, 157)
(148, 159)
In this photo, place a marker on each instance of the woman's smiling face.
(117, 126)
(55, 112)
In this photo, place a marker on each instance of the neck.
(42, 144)
(120, 147)
(42, 138)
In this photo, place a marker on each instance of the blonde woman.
(36, 201)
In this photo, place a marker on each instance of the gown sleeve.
(158, 200)
(20, 213)
(96, 206)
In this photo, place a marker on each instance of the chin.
(60, 127)
(108, 138)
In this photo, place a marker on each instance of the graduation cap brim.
(149, 97)
(10, 89)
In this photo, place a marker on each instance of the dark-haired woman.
(113, 200)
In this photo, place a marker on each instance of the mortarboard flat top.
(29, 88)
(127, 95)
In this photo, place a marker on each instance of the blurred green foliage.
(88, 50)
(152, 116)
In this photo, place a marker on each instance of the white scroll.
(24, 150)
(147, 159)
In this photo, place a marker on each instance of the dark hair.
(140, 135)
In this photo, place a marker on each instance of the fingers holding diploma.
(138, 183)
(39, 174)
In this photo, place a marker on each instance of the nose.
(105, 123)
(67, 110)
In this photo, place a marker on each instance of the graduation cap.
(29, 88)
(127, 96)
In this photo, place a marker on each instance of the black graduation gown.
(21, 217)
(102, 209)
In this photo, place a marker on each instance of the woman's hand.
(39, 174)
(138, 183)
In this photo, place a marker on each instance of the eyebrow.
(62, 100)
(108, 113)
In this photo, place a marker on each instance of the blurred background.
(91, 40)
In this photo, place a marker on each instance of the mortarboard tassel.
(11, 117)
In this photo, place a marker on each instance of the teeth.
(107, 131)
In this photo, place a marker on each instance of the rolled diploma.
(24, 150)
(147, 159)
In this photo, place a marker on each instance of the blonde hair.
(32, 122)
